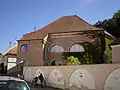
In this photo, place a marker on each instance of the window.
(14, 85)
(57, 48)
(77, 48)
(24, 48)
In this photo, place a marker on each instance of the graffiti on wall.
(113, 80)
(56, 77)
(82, 78)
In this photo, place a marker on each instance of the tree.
(111, 25)
(108, 52)
(86, 59)
(93, 54)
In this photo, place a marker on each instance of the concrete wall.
(115, 53)
(93, 77)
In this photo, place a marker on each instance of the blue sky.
(18, 17)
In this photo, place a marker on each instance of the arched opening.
(56, 48)
(76, 48)
(24, 48)
(54, 63)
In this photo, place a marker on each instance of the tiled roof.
(63, 24)
(13, 51)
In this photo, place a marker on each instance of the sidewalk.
(44, 88)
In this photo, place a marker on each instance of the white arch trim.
(76, 48)
(37, 73)
(82, 78)
(22, 60)
(56, 48)
(113, 80)
(28, 75)
(55, 77)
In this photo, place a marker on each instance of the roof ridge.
(66, 21)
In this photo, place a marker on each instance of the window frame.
(73, 46)
(60, 49)
(25, 46)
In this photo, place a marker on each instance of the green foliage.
(96, 49)
(108, 51)
(73, 60)
(86, 59)
(112, 25)
(92, 55)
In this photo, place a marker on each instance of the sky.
(18, 17)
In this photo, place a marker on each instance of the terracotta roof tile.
(63, 24)
(13, 51)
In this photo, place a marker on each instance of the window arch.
(53, 63)
(56, 48)
(24, 48)
(76, 48)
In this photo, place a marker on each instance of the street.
(47, 88)
(44, 88)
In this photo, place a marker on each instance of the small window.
(57, 48)
(77, 48)
(24, 48)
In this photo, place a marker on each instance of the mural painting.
(81, 78)
(113, 80)
(56, 77)
(28, 75)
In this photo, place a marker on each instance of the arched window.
(24, 48)
(56, 48)
(77, 48)
(54, 63)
